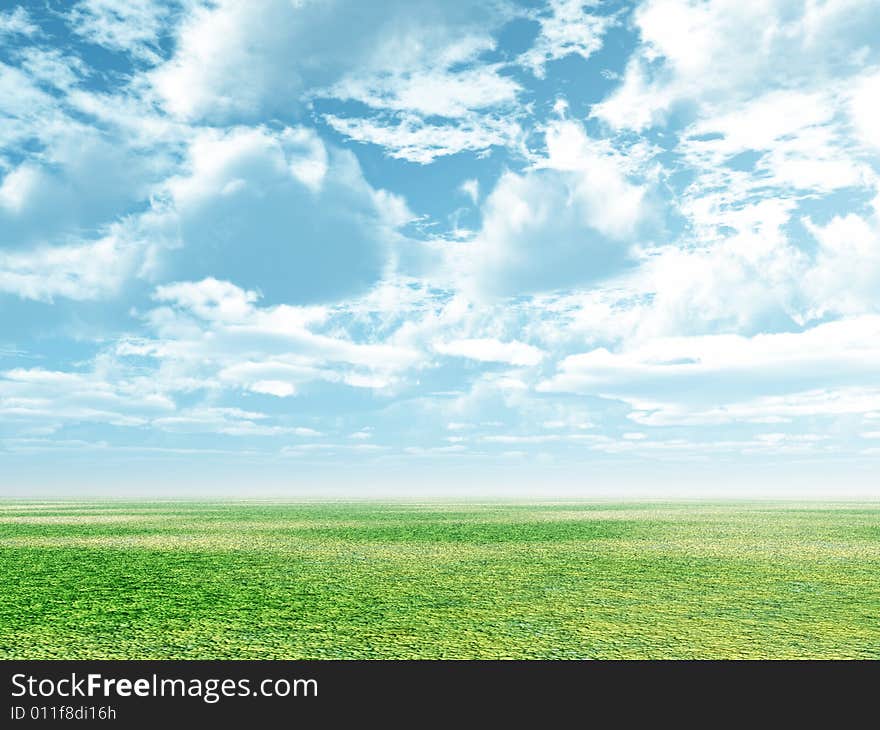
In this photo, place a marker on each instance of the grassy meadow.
(336, 580)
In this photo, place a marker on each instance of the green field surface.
(261, 580)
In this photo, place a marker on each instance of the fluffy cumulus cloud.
(276, 210)
(234, 64)
(576, 236)
(75, 186)
(846, 272)
(863, 108)
(570, 220)
(758, 46)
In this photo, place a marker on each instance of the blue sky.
(468, 247)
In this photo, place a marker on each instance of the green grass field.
(430, 580)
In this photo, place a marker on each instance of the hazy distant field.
(457, 580)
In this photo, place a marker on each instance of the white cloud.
(79, 271)
(490, 350)
(741, 284)
(224, 420)
(82, 181)
(233, 64)
(798, 142)
(777, 409)
(131, 26)
(845, 276)
(51, 67)
(17, 22)
(771, 444)
(706, 51)
(410, 138)
(48, 399)
(278, 388)
(302, 206)
(568, 221)
(739, 266)
(753, 164)
(216, 334)
(850, 343)
(538, 438)
(437, 86)
(210, 299)
(569, 28)
(428, 95)
(307, 432)
(613, 204)
(471, 188)
(865, 107)
(25, 105)
(724, 378)
(222, 65)
(18, 186)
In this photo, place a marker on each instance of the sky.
(477, 247)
